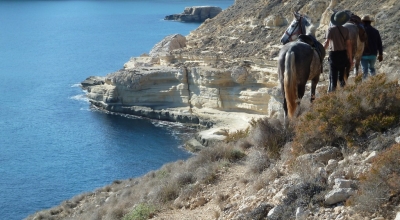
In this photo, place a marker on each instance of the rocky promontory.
(195, 14)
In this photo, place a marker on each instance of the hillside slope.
(242, 179)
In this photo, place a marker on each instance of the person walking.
(340, 50)
(372, 47)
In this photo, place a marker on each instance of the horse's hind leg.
(301, 89)
(285, 109)
(314, 83)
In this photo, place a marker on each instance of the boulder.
(195, 14)
(169, 43)
(275, 212)
(343, 183)
(397, 216)
(397, 139)
(92, 81)
(322, 155)
(338, 195)
(331, 166)
(371, 157)
(301, 214)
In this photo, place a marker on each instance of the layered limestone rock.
(189, 88)
(195, 14)
(160, 87)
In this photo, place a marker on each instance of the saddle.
(306, 39)
(311, 41)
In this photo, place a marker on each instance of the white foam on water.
(80, 97)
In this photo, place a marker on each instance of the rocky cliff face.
(228, 63)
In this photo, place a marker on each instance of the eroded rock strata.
(227, 65)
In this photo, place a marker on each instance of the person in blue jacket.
(372, 48)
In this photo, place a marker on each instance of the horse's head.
(297, 27)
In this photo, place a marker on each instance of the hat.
(366, 18)
(340, 18)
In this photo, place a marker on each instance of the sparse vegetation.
(270, 135)
(381, 183)
(141, 212)
(349, 115)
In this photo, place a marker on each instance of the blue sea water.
(52, 145)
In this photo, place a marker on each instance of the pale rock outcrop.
(195, 14)
(343, 183)
(397, 216)
(371, 157)
(169, 43)
(331, 166)
(301, 214)
(275, 21)
(322, 155)
(338, 195)
(275, 212)
(149, 87)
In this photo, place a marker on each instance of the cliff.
(222, 76)
(229, 63)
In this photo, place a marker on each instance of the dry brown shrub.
(381, 183)
(349, 114)
(236, 135)
(257, 161)
(271, 135)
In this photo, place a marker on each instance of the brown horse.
(355, 31)
(298, 62)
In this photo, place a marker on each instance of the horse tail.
(290, 83)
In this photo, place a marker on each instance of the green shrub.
(348, 115)
(141, 212)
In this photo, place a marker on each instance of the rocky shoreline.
(195, 14)
(222, 76)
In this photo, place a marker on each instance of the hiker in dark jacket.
(372, 47)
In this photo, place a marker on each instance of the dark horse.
(298, 62)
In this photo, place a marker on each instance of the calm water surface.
(52, 145)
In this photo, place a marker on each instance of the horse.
(299, 26)
(357, 45)
(298, 62)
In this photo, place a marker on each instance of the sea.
(53, 145)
